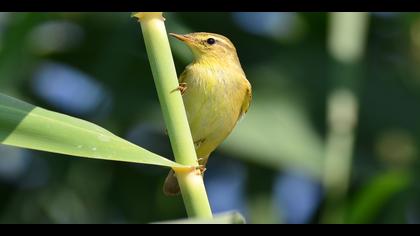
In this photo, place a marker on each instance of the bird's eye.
(211, 41)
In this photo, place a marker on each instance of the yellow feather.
(217, 94)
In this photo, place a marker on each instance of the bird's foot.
(182, 87)
(201, 168)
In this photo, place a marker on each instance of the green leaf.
(372, 197)
(27, 126)
(223, 218)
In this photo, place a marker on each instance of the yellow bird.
(216, 94)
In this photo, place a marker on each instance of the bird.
(215, 92)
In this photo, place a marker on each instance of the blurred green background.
(332, 134)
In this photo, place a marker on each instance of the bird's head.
(208, 45)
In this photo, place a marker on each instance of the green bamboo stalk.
(347, 36)
(165, 77)
(346, 44)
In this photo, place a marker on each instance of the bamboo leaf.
(27, 126)
(222, 218)
(372, 198)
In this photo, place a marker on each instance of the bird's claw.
(201, 168)
(182, 88)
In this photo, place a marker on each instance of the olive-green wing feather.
(247, 100)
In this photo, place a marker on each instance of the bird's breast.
(213, 100)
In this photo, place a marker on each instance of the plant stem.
(165, 77)
(346, 44)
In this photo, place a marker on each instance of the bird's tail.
(171, 186)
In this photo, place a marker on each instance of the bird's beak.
(183, 38)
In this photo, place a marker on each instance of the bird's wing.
(247, 101)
